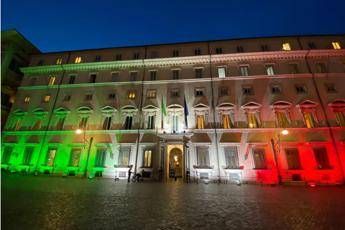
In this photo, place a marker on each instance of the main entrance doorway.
(175, 162)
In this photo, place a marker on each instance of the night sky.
(82, 24)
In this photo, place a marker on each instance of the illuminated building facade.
(263, 110)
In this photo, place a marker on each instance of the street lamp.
(276, 150)
(78, 132)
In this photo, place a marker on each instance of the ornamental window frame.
(308, 111)
(150, 111)
(253, 113)
(282, 114)
(84, 112)
(128, 113)
(226, 109)
(338, 108)
(201, 112)
(107, 113)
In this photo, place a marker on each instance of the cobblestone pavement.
(45, 202)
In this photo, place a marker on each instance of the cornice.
(178, 61)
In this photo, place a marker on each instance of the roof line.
(195, 41)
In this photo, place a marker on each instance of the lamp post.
(81, 131)
(284, 132)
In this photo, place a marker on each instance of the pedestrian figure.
(188, 176)
(129, 173)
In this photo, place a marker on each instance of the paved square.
(46, 202)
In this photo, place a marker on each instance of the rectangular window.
(244, 70)
(175, 74)
(275, 89)
(50, 157)
(51, 80)
(71, 79)
(253, 120)
(175, 53)
(309, 119)
(136, 56)
(151, 94)
(27, 99)
(46, 98)
(112, 96)
(226, 121)
(198, 72)
(131, 95)
(223, 91)
(77, 60)
(16, 124)
(28, 155)
(97, 58)
(37, 125)
(293, 67)
(74, 157)
(247, 90)
(153, 75)
(259, 158)
(264, 48)
(88, 97)
(115, 76)
(221, 72)
(301, 89)
(286, 46)
(83, 122)
(67, 98)
(151, 122)
(175, 93)
(340, 118)
(292, 158)
(320, 68)
(154, 54)
(282, 119)
(60, 123)
(269, 70)
(219, 50)
(148, 158)
(6, 155)
(118, 57)
(200, 121)
(175, 123)
(33, 81)
(107, 123)
(231, 157)
(133, 76)
(321, 158)
(239, 49)
(124, 156)
(336, 45)
(199, 92)
(100, 157)
(197, 51)
(93, 77)
(58, 61)
(128, 122)
(203, 158)
(330, 88)
(311, 45)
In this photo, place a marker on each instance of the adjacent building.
(15, 53)
(264, 110)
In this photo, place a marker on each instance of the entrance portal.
(175, 162)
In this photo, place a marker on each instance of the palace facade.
(262, 110)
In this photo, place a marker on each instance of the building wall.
(115, 76)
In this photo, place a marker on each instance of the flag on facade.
(164, 112)
(186, 113)
(164, 107)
